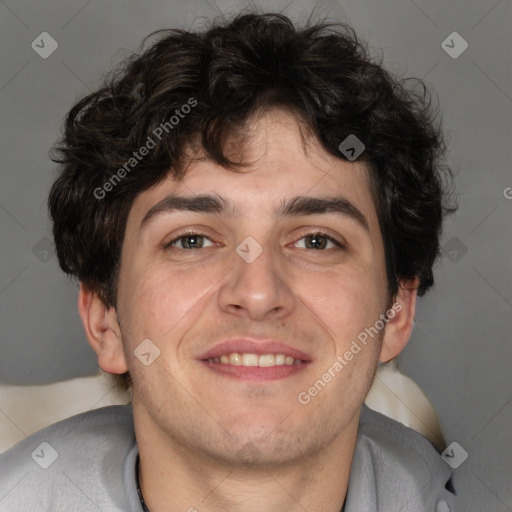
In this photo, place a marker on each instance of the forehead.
(281, 162)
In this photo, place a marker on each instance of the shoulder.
(77, 462)
(397, 468)
(385, 437)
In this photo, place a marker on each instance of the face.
(254, 279)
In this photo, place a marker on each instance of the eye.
(318, 241)
(190, 241)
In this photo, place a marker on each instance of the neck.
(186, 480)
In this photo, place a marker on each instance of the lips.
(254, 346)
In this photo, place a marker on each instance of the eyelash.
(338, 244)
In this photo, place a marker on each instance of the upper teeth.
(255, 359)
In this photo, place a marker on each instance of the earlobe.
(401, 318)
(102, 331)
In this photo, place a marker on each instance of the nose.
(257, 290)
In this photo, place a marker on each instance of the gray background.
(460, 350)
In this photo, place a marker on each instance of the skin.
(211, 442)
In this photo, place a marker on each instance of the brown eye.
(319, 241)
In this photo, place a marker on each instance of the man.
(251, 212)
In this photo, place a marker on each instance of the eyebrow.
(295, 206)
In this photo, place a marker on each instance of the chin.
(268, 444)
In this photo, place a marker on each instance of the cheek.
(158, 299)
(347, 300)
(348, 304)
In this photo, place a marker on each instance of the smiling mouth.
(254, 359)
(248, 360)
(255, 367)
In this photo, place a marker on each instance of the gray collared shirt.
(87, 463)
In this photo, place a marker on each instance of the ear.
(401, 318)
(102, 331)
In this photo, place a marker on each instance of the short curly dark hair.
(225, 74)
